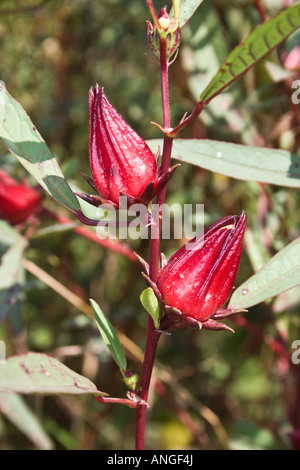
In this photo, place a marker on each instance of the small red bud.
(167, 29)
(199, 277)
(17, 201)
(164, 20)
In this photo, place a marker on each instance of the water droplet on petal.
(219, 154)
(245, 291)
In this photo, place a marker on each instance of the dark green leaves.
(281, 273)
(22, 139)
(257, 45)
(12, 246)
(39, 373)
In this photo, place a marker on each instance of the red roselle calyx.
(121, 162)
(195, 283)
(18, 201)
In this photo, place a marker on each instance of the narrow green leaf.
(206, 43)
(256, 46)
(109, 336)
(18, 412)
(282, 272)
(186, 9)
(22, 139)
(265, 165)
(40, 373)
(151, 305)
(257, 252)
(12, 246)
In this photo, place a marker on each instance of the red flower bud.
(121, 162)
(198, 279)
(17, 201)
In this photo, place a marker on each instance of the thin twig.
(153, 335)
(86, 232)
(118, 401)
(261, 10)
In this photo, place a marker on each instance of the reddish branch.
(261, 10)
(152, 335)
(111, 245)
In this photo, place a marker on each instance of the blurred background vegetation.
(215, 390)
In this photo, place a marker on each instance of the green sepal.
(151, 305)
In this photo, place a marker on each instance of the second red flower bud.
(193, 286)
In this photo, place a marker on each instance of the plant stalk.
(153, 335)
(119, 401)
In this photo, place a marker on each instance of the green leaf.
(151, 305)
(205, 49)
(18, 412)
(257, 45)
(109, 336)
(287, 300)
(271, 166)
(280, 273)
(257, 252)
(12, 246)
(186, 9)
(40, 373)
(22, 139)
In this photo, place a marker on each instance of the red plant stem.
(261, 11)
(111, 245)
(119, 401)
(153, 12)
(153, 335)
(141, 411)
(184, 122)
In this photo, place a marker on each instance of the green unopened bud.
(131, 379)
(167, 29)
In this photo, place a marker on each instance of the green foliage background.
(234, 389)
